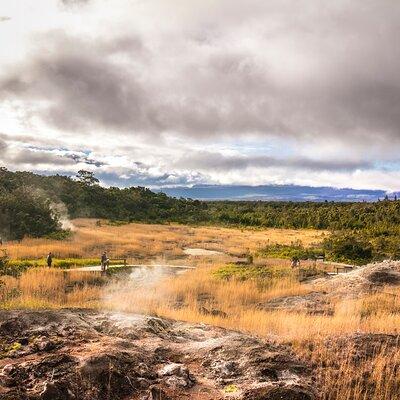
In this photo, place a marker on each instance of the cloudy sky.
(183, 92)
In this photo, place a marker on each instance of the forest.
(32, 205)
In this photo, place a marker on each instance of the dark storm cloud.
(32, 140)
(215, 161)
(318, 70)
(25, 156)
(87, 90)
(19, 157)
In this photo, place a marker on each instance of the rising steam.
(60, 210)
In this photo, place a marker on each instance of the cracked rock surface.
(82, 355)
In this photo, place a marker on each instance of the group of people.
(104, 261)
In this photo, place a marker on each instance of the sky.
(182, 92)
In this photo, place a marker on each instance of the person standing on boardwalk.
(104, 262)
(49, 260)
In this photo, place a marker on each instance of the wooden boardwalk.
(97, 268)
(341, 268)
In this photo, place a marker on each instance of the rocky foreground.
(368, 279)
(80, 354)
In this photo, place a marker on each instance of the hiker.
(295, 262)
(49, 260)
(104, 262)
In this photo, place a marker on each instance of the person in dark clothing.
(49, 260)
(104, 262)
(295, 262)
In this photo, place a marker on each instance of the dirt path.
(202, 252)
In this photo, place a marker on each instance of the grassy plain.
(143, 241)
(326, 341)
(222, 295)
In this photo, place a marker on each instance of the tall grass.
(241, 302)
(138, 241)
(51, 288)
(349, 372)
(343, 370)
(184, 297)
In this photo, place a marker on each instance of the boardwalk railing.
(119, 259)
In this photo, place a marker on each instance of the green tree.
(87, 178)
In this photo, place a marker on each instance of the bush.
(59, 235)
(296, 250)
(350, 247)
(7, 268)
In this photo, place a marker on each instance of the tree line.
(28, 207)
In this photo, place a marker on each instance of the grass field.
(142, 241)
(204, 295)
(220, 294)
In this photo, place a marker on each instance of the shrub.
(7, 268)
(296, 250)
(348, 247)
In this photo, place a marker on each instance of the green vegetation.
(265, 275)
(7, 268)
(29, 204)
(347, 246)
(258, 272)
(25, 211)
(7, 350)
(57, 263)
(296, 250)
(59, 235)
(364, 245)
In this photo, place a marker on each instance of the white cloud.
(186, 89)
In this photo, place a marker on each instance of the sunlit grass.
(232, 297)
(51, 288)
(141, 241)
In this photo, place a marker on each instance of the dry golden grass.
(182, 297)
(141, 241)
(345, 372)
(237, 304)
(340, 374)
(51, 288)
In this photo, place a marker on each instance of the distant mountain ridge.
(274, 193)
